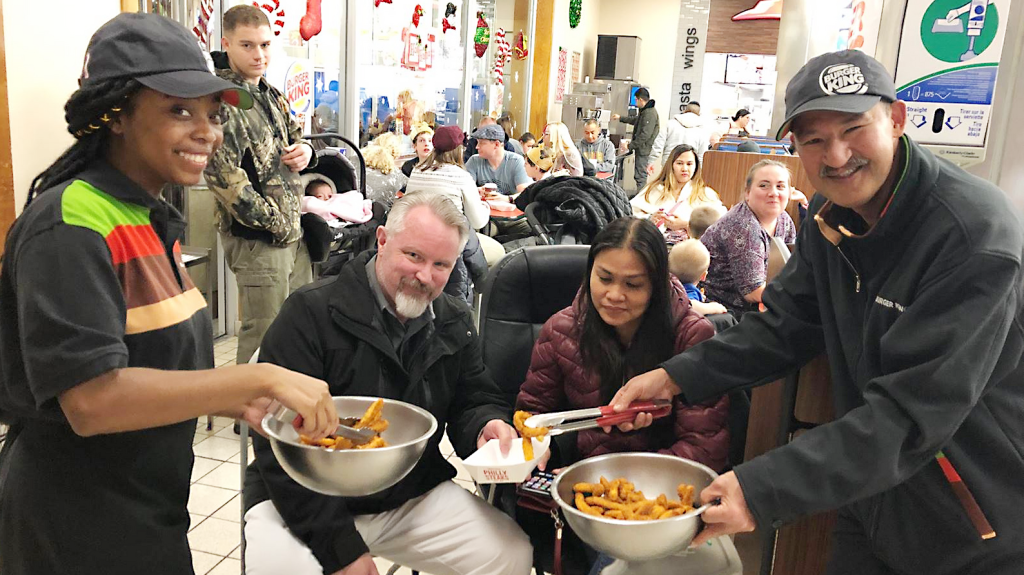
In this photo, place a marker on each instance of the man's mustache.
(854, 163)
(414, 285)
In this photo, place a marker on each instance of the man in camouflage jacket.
(254, 176)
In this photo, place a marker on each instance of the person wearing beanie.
(908, 275)
(442, 172)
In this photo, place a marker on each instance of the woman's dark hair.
(88, 113)
(740, 113)
(527, 136)
(600, 348)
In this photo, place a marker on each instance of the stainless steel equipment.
(355, 472)
(618, 57)
(652, 473)
(578, 108)
(614, 99)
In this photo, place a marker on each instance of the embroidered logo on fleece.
(842, 79)
(889, 304)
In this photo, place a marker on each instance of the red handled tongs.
(561, 422)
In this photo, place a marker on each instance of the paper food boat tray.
(486, 465)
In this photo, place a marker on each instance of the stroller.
(337, 246)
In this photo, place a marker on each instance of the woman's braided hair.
(88, 113)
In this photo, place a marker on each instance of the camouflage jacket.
(258, 196)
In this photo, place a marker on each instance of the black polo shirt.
(92, 280)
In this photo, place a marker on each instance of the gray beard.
(409, 306)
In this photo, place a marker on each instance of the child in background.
(701, 219)
(689, 260)
(338, 209)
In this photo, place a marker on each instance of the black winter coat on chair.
(583, 205)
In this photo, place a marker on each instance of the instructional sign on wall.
(947, 68)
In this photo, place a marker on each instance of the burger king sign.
(298, 89)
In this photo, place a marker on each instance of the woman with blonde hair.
(567, 156)
(669, 198)
(383, 178)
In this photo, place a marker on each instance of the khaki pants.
(448, 531)
(266, 274)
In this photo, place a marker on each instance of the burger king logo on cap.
(842, 79)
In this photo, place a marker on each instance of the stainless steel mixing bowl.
(653, 474)
(355, 472)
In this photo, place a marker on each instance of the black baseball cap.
(846, 81)
(160, 54)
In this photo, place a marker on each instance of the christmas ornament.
(417, 13)
(502, 54)
(376, 3)
(449, 12)
(483, 35)
(520, 49)
(275, 13)
(575, 11)
(312, 22)
(202, 27)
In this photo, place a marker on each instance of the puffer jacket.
(557, 380)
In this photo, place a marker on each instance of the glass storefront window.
(397, 61)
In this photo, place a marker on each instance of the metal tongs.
(561, 422)
(359, 436)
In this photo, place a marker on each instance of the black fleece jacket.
(921, 319)
(326, 330)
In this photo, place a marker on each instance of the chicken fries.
(371, 419)
(527, 433)
(619, 499)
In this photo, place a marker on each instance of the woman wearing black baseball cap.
(105, 342)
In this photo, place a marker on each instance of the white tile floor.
(215, 500)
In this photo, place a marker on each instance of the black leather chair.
(521, 292)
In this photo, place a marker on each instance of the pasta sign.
(298, 89)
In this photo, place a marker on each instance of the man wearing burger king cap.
(910, 280)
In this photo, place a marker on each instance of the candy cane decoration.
(202, 27)
(273, 12)
(503, 53)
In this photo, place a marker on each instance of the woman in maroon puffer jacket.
(629, 316)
